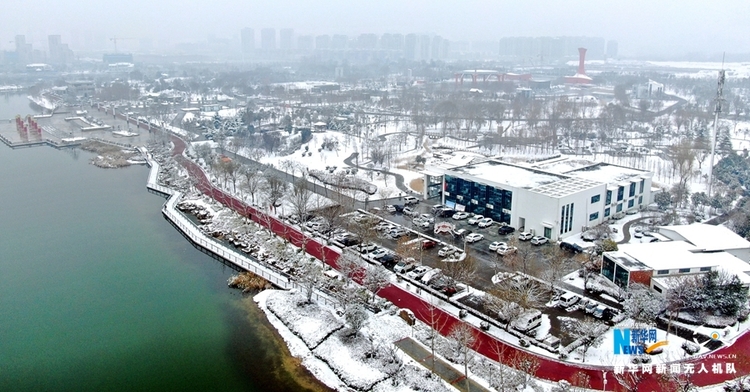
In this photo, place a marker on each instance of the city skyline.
(640, 27)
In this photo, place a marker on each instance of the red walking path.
(487, 345)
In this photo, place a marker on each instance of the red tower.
(581, 59)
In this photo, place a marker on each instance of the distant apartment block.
(247, 38)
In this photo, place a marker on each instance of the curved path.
(399, 178)
(487, 345)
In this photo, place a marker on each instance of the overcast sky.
(640, 26)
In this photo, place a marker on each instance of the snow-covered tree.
(588, 331)
(462, 338)
(642, 305)
(356, 316)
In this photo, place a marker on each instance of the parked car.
(486, 222)
(460, 233)
(568, 299)
(475, 219)
(398, 232)
(527, 321)
(421, 223)
(460, 215)
(390, 208)
(384, 226)
(367, 247)
(445, 212)
(389, 260)
(525, 236)
(505, 230)
(427, 218)
(428, 244)
(506, 250)
(436, 208)
(403, 266)
(474, 237)
(447, 251)
(418, 273)
(571, 247)
(496, 244)
(410, 200)
(377, 254)
(539, 240)
(410, 212)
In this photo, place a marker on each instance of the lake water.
(98, 292)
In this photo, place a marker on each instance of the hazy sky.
(640, 26)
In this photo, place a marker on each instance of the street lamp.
(604, 380)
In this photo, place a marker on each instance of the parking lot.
(488, 262)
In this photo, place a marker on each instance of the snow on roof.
(503, 173)
(605, 173)
(663, 255)
(566, 187)
(706, 237)
(563, 165)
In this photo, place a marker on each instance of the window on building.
(643, 183)
(619, 207)
(631, 203)
(595, 198)
(662, 272)
(684, 270)
(657, 289)
(593, 216)
(620, 193)
(632, 190)
(606, 212)
(609, 198)
(705, 269)
(640, 199)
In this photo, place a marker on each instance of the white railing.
(153, 175)
(197, 236)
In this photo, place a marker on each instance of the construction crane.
(115, 39)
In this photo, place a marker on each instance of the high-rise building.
(247, 38)
(24, 51)
(392, 42)
(410, 47)
(268, 39)
(367, 41)
(612, 49)
(59, 53)
(339, 41)
(322, 42)
(285, 39)
(305, 43)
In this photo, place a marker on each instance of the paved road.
(444, 322)
(440, 367)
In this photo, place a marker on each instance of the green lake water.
(98, 292)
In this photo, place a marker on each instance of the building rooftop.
(606, 173)
(707, 237)
(566, 187)
(664, 255)
(563, 165)
(502, 173)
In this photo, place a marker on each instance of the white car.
(460, 215)
(427, 218)
(410, 200)
(447, 251)
(539, 240)
(525, 236)
(485, 222)
(506, 250)
(378, 253)
(421, 223)
(474, 237)
(475, 219)
(418, 273)
(496, 244)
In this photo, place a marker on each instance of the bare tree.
(463, 337)
(253, 181)
(375, 278)
(521, 259)
(300, 198)
(460, 270)
(310, 276)
(276, 189)
(436, 321)
(527, 364)
(557, 262)
(506, 311)
(630, 381)
(356, 316)
(525, 292)
(641, 304)
(589, 332)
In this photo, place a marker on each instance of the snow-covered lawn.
(308, 321)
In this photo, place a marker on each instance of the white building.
(555, 198)
(691, 249)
